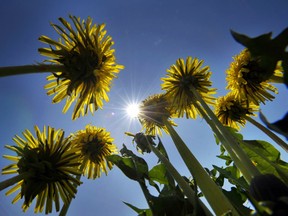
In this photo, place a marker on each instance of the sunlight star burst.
(90, 65)
(133, 110)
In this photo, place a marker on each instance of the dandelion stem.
(217, 200)
(268, 132)
(229, 149)
(27, 69)
(240, 158)
(9, 182)
(187, 190)
(66, 206)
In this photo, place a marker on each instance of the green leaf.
(141, 212)
(232, 176)
(237, 200)
(227, 158)
(133, 169)
(158, 173)
(266, 157)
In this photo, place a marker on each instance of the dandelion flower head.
(89, 62)
(247, 79)
(231, 111)
(47, 166)
(94, 145)
(154, 112)
(181, 78)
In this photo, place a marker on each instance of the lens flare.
(133, 110)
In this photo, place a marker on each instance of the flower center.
(41, 164)
(236, 112)
(188, 81)
(95, 150)
(255, 74)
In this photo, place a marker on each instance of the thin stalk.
(146, 195)
(217, 200)
(187, 190)
(66, 206)
(222, 139)
(9, 182)
(268, 132)
(27, 69)
(231, 144)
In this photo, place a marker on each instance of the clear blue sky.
(149, 35)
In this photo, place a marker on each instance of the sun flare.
(133, 110)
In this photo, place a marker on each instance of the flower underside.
(181, 79)
(154, 112)
(94, 145)
(248, 80)
(49, 166)
(232, 112)
(90, 65)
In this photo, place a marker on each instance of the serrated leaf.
(237, 200)
(239, 181)
(158, 173)
(133, 169)
(227, 158)
(144, 212)
(266, 158)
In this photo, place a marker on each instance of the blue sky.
(149, 36)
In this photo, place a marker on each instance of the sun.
(133, 110)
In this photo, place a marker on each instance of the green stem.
(217, 200)
(27, 69)
(146, 195)
(13, 180)
(269, 133)
(243, 162)
(187, 190)
(66, 206)
(224, 141)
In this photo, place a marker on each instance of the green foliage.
(133, 169)
(170, 200)
(266, 157)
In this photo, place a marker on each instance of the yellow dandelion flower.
(89, 61)
(46, 167)
(154, 112)
(248, 81)
(231, 111)
(94, 144)
(181, 78)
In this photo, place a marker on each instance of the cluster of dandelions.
(248, 88)
(245, 81)
(49, 165)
